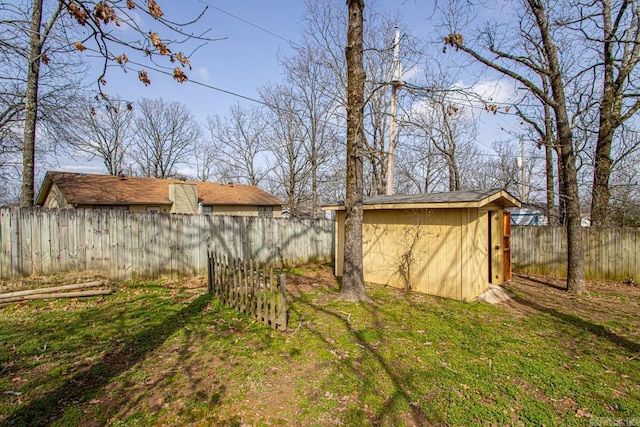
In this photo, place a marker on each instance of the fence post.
(282, 302)
(210, 272)
(252, 290)
(272, 298)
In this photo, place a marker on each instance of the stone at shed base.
(495, 294)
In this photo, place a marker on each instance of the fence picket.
(249, 288)
(282, 305)
(252, 291)
(148, 245)
(610, 253)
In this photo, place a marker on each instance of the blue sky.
(247, 58)
(244, 60)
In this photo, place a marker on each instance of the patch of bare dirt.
(315, 277)
(186, 283)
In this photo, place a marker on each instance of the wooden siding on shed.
(443, 252)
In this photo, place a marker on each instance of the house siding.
(56, 199)
(184, 198)
(241, 210)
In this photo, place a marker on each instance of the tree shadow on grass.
(50, 407)
(582, 324)
(541, 282)
(387, 413)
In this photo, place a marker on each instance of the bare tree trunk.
(575, 267)
(620, 55)
(551, 206)
(562, 200)
(548, 150)
(291, 192)
(353, 279)
(31, 106)
(600, 193)
(548, 67)
(454, 175)
(314, 181)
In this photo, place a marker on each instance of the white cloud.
(497, 91)
(412, 73)
(187, 171)
(473, 99)
(201, 73)
(84, 168)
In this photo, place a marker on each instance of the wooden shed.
(450, 244)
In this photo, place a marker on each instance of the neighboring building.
(446, 244)
(530, 214)
(89, 191)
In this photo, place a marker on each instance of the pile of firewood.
(66, 291)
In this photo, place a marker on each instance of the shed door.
(496, 252)
(490, 246)
(506, 245)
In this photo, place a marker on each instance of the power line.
(271, 33)
(228, 92)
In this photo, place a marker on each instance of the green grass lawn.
(168, 354)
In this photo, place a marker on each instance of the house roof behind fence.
(91, 189)
(451, 199)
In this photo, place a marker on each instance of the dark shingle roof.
(445, 197)
(79, 188)
(434, 199)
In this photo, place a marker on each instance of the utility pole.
(396, 83)
(524, 185)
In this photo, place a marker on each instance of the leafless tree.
(316, 109)
(240, 142)
(612, 29)
(625, 187)
(541, 128)
(510, 57)
(60, 88)
(205, 159)
(502, 170)
(324, 32)
(379, 37)
(286, 142)
(448, 131)
(105, 132)
(164, 136)
(94, 20)
(419, 167)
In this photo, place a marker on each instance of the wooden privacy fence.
(125, 245)
(610, 253)
(250, 288)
